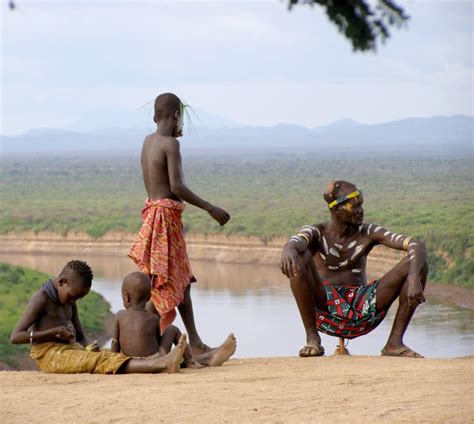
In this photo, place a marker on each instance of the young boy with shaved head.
(326, 265)
(58, 344)
(159, 249)
(137, 331)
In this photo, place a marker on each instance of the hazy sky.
(250, 61)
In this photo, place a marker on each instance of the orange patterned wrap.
(160, 252)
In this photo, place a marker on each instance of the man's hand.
(64, 333)
(415, 291)
(290, 260)
(220, 215)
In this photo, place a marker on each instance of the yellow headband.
(343, 199)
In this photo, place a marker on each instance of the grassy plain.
(17, 284)
(267, 196)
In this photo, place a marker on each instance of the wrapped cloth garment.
(72, 358)
(351, 312)
(160, 252)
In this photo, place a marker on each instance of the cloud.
(253, 62)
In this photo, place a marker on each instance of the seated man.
(51, 325)
(137, 331)
(326, 267)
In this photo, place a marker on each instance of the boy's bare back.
(161, 159)
(138, 332)
(154, 161)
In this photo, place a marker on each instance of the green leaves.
(362, 24)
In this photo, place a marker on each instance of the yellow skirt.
(73, 358)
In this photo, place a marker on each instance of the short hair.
(337, 189)
(82, 270)
(138, 285)
(166, 105)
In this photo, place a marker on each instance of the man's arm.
(177, 186)
(415, 248)
(35, 308)
(416, 251)
(306, 238)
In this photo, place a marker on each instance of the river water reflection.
(255, 303)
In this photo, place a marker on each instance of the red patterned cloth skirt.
(160, 252)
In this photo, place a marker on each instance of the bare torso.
(54, 315)
(341, 261)
(155, 168)
(139, 332)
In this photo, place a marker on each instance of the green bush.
(267, 196)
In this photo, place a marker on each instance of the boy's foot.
(175, 357)
(220, 354)
(201, 348)
(193, 364)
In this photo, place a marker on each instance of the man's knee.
(302, 268)
(306, 260)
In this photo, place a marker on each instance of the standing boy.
(159, 249)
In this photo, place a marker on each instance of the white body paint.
(325, 245)
(358, 249)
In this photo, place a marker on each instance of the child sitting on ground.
(137, 331)
(51, 325)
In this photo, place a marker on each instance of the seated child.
(51, 325)
(137, 331)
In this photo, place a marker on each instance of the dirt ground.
(356, 389)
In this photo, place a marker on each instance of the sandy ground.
(319, 390)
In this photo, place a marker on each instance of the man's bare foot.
(175, 357)
(220, 354)
(401, 352)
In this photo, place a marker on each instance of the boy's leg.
(220, 354)
(169, 363)
(187, 315)
(171, 337)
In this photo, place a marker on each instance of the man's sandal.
(311, 349)
(402, 352)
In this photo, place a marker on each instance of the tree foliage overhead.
(362, 23)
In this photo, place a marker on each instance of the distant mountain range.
(436, 135)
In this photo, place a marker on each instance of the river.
(255, 303)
